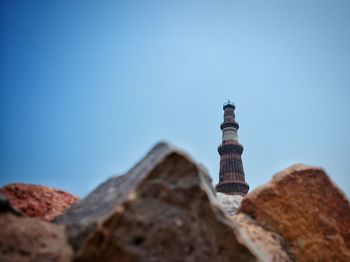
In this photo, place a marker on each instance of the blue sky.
(87, 88)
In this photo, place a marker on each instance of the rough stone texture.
(303, 206)
(38, 201)
(162, 210)
(26, 239)
(229, 203)
(5, 206)
(269, 244)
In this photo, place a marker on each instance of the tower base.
(232, 188)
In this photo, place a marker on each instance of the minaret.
(231, 176)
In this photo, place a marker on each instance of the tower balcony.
(229, 124)
(230, 147)
(228, 104)
(233, 188)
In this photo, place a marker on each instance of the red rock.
(38, 201)
(307, 209)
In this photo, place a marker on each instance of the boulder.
(307, 209)
(163, 209)
(26, 239)
(38, 201)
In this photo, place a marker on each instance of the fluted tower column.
(231, 175)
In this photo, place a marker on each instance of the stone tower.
(231, 175)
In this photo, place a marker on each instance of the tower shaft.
(231, 175)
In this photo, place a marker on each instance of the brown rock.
(38, 201)
(163, 209)
(269, 245)
(26, 239)
(303, 206)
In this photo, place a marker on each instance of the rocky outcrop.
(163, 209)
(304, 207)
(26, 239)
(38, 201)
(230, 203)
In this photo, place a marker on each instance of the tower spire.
(231, 175)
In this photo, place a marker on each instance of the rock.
(38, 201)
(302, 205)
(270, 245)
(5, 206)
(230, 203)
(26, 239)
(163, 209)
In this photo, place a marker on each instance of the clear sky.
(87, 88)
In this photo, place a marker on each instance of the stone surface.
(270, 245)
(38, 201)
(26, 239)
(302, 205)
(229, 203)
(5, 206)
(163, 209)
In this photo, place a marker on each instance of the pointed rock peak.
(163, 209)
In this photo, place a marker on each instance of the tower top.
(228, 104)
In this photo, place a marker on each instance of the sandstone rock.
(163, 209)
(303, 206)
(38, 201)
(230, 203)
(270, 245)
(26, 239)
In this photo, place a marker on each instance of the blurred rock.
(230, 203)
(5, 206)
(269, 245)
(26, 239)
(302, 205)
(38, 201)
(163, 209)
